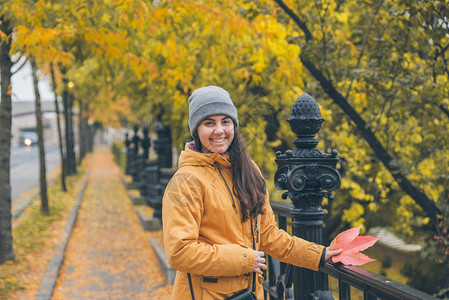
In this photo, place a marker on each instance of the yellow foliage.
(353, 214)
(2, 35)
(352, 46)
(373, 206)
(426, 168)
(342, 17)
(258, 58)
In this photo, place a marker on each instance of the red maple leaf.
(351, 244)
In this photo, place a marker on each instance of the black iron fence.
(349, 282)
(150, 177)
(153, 183)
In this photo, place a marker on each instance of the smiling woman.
(218, 222)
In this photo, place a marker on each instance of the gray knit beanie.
(209, 101)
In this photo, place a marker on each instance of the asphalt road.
(25, 168)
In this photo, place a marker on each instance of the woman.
(218, 223)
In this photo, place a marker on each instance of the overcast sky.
(22, 86)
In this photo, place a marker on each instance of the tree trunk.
(72, 154)
(80, 134)
(6, 249)
(40, 134)
(69, 142)
(61, 147)
(83, 131)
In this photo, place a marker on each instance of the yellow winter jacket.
(204, 235)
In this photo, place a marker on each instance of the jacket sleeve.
(181, 216)
(284, 247)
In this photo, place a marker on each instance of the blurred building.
(24, 119)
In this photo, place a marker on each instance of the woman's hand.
(259, 262)
(330, 253)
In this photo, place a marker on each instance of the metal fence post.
(146, 144)
(308, 174)
(127, 143)
(163, 146)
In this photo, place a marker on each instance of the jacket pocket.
(223, 288)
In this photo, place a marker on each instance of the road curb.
(149, 223)
(168, 271)
(16, 213)
(54, 265)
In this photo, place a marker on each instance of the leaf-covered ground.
(109, 255)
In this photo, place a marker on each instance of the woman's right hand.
(259, 262)
(330, 253)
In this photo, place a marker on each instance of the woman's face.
(216, 134)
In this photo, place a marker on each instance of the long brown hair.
(248, 184)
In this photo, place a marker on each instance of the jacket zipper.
(229, 190)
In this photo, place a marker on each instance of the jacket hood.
(192, 157)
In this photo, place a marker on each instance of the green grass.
(8, 283)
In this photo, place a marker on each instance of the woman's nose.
(218, 129)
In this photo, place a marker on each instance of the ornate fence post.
(163, 146)
(137, 159)
(127, 143)
(146, 143)
(143, 162)
(308, 174)
(135, 140)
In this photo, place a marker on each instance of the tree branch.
(444, 109)
(296, 19)
(21, 66)
(443, 56)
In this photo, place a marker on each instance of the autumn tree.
(71, 36)
(29, 15)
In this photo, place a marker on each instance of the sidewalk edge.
(51, 274)
(168, 271)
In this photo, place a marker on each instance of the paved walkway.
(109, 255)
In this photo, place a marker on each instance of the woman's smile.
(220, 140)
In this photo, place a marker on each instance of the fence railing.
(351, 282)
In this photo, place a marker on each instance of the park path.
(109, 255)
